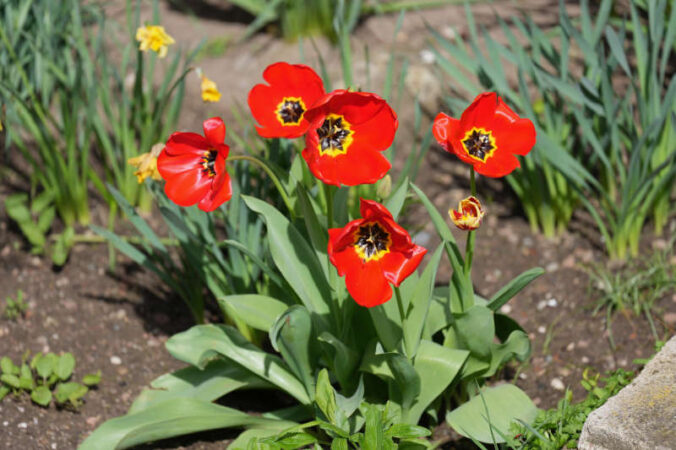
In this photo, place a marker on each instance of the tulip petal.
(214, 130)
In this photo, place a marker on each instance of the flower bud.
(469, 214)
(384, 188)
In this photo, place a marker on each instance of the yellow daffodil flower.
(146, 164)
(210, 92)
(153, 37)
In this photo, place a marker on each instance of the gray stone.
(640, 416)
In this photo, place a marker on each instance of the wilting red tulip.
(469, 214)
(347, 133)
(280, 107)
(487, 136)
(194, 167)
(371, 253)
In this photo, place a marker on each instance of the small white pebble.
(427, 56)
(20, 408)
(552, 266)
(584, 360)
(54, 445)
(542, 330)
(542, 304)
(570, 347)
(552, 303)
(557, 384)
(115, 360)
(523, 376)
(23, 425)
(506, 309)
(5, 423)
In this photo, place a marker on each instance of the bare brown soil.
(117, 321)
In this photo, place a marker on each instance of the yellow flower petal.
(210, 92)
(153, 37)
(146, 164)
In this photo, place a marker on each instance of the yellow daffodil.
(469, 214)
(153, 37)
(210, 92)
(146, 164)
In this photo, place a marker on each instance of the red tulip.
(194, 167)
(347, 133)
(280, 107)
(487, 136)
(372, 252)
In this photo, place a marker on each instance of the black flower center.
(209, 162)
(290, 111)
(479, 144)
(334, 135)
(372, 241)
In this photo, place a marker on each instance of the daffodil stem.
(271, 174)
(469, 247)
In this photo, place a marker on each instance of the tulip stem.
(469, 247)
(400, 305)
(272, 176)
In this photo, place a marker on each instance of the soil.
(117, 321)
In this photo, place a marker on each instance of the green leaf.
(339, 444)
(407, 431)
(92, 379)
(437, 367)
(200, 343)
(174, 417)
(513, 287)
(45, 364)
(4, 390)
(475, 330)
(616, 49)
(345, 359)
(294, 258)
(387, 321)
(42, 396)
(325, 396)
(64, 367)
(257, 311)
(10, 380)
(296, 440)
(438, 222)
(26, 378)
(8, 367)
(374, 436)
(291, 335)
(244, 439)
(517, 345)
(70, 392)
(488, 416)
(420, 303)
(62, 246)
(217, 379)
(395, 202)
(17, 210)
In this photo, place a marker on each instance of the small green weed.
(560, 427)
(45, 378)
(15, 308)
(636, 286)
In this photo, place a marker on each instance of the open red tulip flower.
(280, 107)
(348, 133)
(194, 167)
(488, 135)
(372, 252)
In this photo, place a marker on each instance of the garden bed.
(118, 321)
